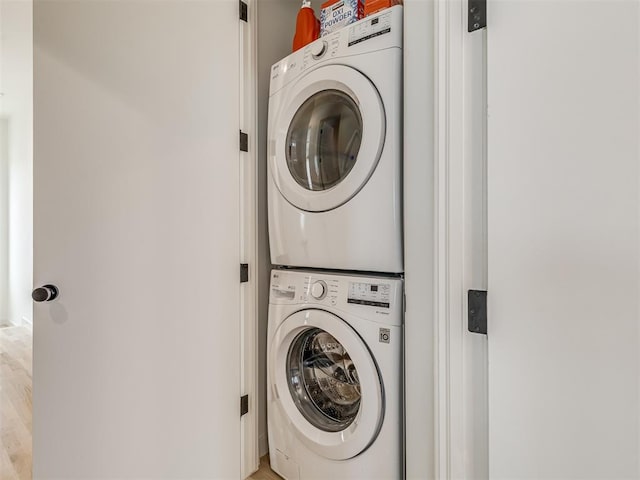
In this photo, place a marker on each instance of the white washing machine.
(334, 394)
(335, 150)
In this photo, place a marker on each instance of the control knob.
(318, 49)
(319, 290)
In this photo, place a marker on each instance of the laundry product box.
(335, 14)
(373, 6)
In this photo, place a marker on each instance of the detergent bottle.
(307, 26)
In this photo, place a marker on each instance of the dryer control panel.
(360, 295)
(377, 32)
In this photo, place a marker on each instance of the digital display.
(363, 31)
(373, 295)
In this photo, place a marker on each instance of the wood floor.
(15, 403)
(265, 473)
(15, 408)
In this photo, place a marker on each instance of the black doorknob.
(45, 293)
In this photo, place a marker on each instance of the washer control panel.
(359, 294)
(317, 290)
(372, 294)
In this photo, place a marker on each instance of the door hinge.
(244, 405)
(244, 272)
(244, 142)
(244, 11)
(477, 15)
(477, 305)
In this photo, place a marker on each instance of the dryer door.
(327, 383)
(327, 138)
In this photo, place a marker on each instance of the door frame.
(449, 250)
(249, 300)
(461, 243)
(445, 240)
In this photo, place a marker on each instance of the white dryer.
(334, 394)
(335, 150)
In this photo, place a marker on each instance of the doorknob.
(45, 293)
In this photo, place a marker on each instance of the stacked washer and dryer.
(335, 335)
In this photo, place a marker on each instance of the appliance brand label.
(280, 290)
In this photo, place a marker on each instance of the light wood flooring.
(15, 408)
(15, 403)
(265, 473)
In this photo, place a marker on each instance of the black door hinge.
(244, 272)
(477, 305)
(244, 11)
(477, 15)
(244, 405)
(244, 142)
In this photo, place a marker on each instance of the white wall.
(4, 218)
(16, 109)
(564, 239)
(276, 26)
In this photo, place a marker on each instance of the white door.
(564, 239)
(136, 363)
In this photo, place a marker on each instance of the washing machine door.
(327, 138)
(327, 383)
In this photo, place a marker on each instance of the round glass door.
(326, 383)
(326, 135)
(323, 380)
(323, 140)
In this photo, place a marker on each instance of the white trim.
(249, 242)
(460, 262)
(419, 237)
(474, 370)
(441, 270)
